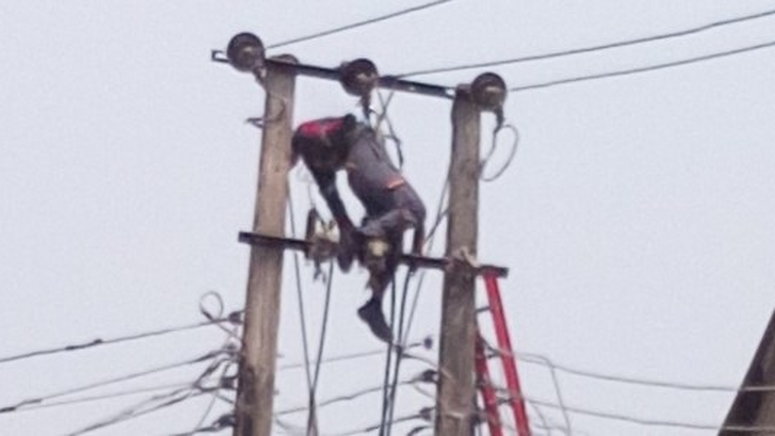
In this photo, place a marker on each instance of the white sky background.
(636, 218)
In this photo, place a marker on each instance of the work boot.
(371, 314)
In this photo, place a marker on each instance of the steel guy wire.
(649, 68)
(629, 42)
(358, 24)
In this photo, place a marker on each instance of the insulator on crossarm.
(246, 52)
(489, 91)
(359, 77)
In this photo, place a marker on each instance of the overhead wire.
(342, 398)
(399, 351)
(388, 361)
(215, 392)
(639, 70)
(618, 44)
(630, 418)
(300, 299)
(357, 24)
(509, 159)
(231, 318)
(176, 396)
(545, 361)
(170, 399)
(348, 356)
(42, 399)
(107, 396)
(312, 419)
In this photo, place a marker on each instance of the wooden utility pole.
(456, 389)
(262, 307)
(753, 408)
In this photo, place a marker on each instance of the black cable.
(618, 44)
(195, 388)
(300, 299)
(39, 400)
(312, 419)
(430, 237)
(341, 398)
(107, 396)
(233, 317)
(386, 381)
(215, 392)
(644, 69)
(358, 24)
(176, 397)
(399, 352)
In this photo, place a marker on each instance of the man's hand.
(348, 248)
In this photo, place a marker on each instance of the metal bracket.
(439, 263)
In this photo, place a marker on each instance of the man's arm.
(347, 234)
(327, 183)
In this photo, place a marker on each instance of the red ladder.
(506, 353)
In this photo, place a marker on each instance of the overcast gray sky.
(636, 218)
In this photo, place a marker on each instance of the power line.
(634, 419)
(233, 318)
(644, 69)
(340, 398)
(545, 361)
(358, 24)
(171, 398)
(37, 401)
(629, 42)
(107, 396)
(351, 356)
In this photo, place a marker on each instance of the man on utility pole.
(253, 408)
